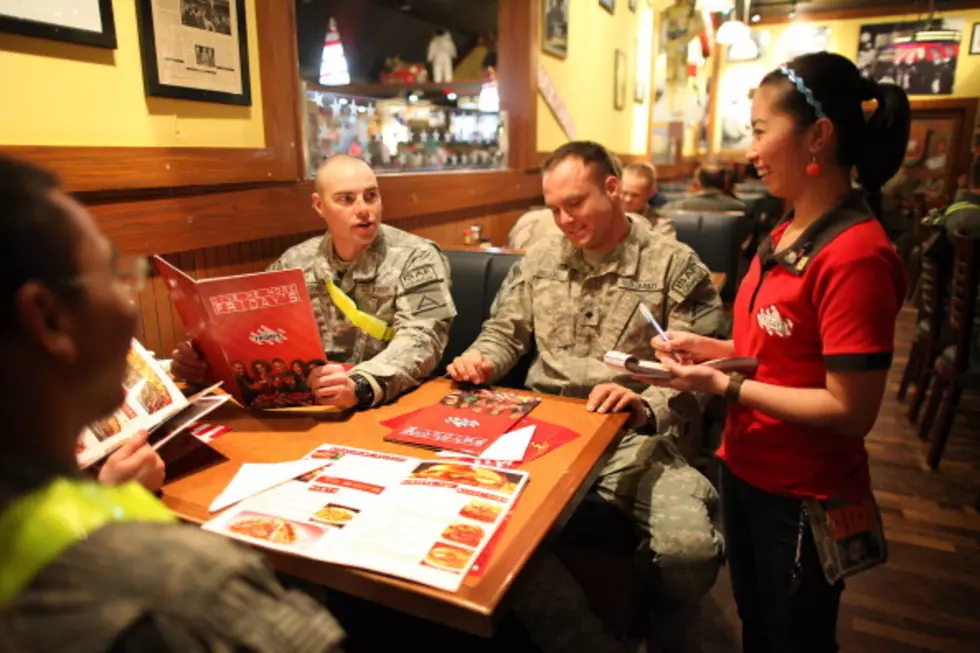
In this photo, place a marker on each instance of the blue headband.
(801, 87)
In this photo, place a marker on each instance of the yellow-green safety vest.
(37, 528)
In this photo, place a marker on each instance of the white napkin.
(253, 478)
(509, 447)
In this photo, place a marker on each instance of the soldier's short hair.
(643, 169)
(37, 239)
(602, 162)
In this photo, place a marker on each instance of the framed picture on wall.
(975, 39)
(554, 27)
(195, 50)
(619, 80)
(608, 5)
(85, 22)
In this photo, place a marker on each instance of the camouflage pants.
(672, 503)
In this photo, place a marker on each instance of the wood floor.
(927, 597)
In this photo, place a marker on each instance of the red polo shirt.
(828, 303)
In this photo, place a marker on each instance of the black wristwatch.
(363, 391)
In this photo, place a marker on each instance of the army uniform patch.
(689, 279)
(419, 276)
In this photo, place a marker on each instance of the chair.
(927, 343)
(717, 238)
(954, 371)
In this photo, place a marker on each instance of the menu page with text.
(425, 521)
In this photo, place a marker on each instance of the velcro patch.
(689, 279)
(430, 302)
(419, 276)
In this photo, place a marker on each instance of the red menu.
(547, 436)
(256, 332)
(466, 421)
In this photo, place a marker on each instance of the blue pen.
(656, 325)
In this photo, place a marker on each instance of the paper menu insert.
(425, 521)
(256, 331)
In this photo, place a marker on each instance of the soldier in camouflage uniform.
(83, 567)
(396, 277)
(577, 296)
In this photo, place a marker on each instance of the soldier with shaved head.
(395, 335)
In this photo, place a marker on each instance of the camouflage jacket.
(575, 314)
(133, 586)
(401, 279)
(535, 225)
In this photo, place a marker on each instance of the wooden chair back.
(963, 297)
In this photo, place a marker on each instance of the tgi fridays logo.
(266, 336)
(462, 422)
(773, 323)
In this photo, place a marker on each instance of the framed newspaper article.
(195, 50)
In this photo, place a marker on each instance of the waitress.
(817, 309)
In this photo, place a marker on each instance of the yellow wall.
(585, 78)
(57, 93)
(843, 39)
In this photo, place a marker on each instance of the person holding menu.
(817, 309)
(89, 567)
(380, 295)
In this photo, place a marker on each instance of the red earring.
(813, 168)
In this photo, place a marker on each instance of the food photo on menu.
(426, 521)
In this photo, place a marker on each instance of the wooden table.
(559, 481)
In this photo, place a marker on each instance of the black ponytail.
(876, 147)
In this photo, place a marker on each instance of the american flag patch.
(208, 432)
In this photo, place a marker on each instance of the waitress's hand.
(691, 378)
(690, 348)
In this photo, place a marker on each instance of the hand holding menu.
(153, 403)
(638, 367)
(426, 521)
(256, 332)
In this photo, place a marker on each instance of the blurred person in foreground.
(89, 567)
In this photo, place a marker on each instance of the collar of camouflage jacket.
(363, 268)
(624, 260)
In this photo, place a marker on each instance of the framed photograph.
(608, 5)
(195, 50)
(975, 39)
(919, 70)
(619, 81)
(554, 27)
(85, 22)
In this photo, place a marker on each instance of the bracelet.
(734, 389)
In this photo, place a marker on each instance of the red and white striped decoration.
(208, 432)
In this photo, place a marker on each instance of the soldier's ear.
(612, 186)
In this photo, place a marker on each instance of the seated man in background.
(639, 192)
(712, 191)
(86, 567)
(577, 296)
(396, 277)
(638, 187)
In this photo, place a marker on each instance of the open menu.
(153, 403)
(634, 366)
(256, 332)
(425, 521)
(466, 421)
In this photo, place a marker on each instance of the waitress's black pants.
(778, 615)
